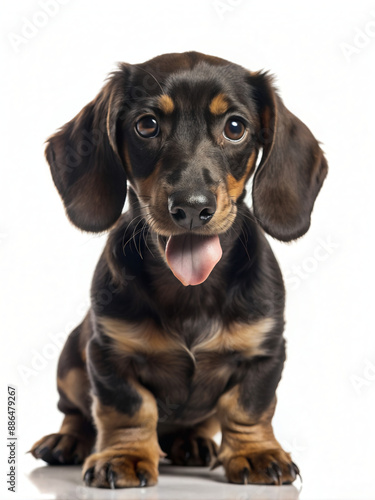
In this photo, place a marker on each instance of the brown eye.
(147, 127)
(234, 129)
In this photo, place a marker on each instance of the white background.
(326, 409)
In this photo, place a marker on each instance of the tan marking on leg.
(166, 104)
(249, 439)
(126, 444)
(236, 187)
(75, 385)
(237, 421)
(118, 429)
(245, 338)
(219, 104)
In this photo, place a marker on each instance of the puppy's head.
(185, 130)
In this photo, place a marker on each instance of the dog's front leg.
(125, 414)
(249, 451)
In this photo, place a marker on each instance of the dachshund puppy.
(184, 337)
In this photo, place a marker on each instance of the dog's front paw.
(272, 466)
(115, 468)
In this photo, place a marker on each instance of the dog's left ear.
(292, 169)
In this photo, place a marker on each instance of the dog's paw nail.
(39, 452)
(245, 475)
(296, 468)
(278, 472)
(273, 475)
(142, 479)
(215, 464)
(89, 476)
(111, 478)
(59, 456)
(297, 471)
(292, 471)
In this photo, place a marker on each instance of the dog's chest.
(186, 380)
(186, 383)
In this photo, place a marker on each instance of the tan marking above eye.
(166, 104)
(219, 104)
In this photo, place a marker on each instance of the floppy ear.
(85, 164)
(292, 169)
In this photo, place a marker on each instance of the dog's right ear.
(85, 164)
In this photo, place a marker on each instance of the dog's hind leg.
(76, 437)
(192, 446)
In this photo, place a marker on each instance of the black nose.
(191, 210)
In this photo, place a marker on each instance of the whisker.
(135, 234)
(133, 238)
(243, 243)
(145, 237)
(141, 217)
(126, 230)
(152, 76)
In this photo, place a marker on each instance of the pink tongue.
(192, 257)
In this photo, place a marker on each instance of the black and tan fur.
(157, 368)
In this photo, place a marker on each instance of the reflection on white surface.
(177, 483)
